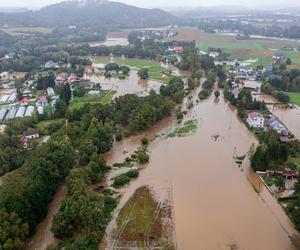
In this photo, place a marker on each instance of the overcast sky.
(165, 3)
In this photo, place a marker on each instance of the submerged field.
(156, 71)
(144, 222)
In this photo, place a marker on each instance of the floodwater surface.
(215, 202)
(130, 85)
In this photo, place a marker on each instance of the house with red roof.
(255, 120)
(89, 69)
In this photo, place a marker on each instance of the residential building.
(235, 91)
(51, 65)
(50, 91)
(31, 134)
(255, 120)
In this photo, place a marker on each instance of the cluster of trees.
(11, 154)
(37, 180)
(274, 30)
(174, 90)
(208, 85)
(286, 80)
(244, 101)
(143, 73)
(271, 152)
(95, 210)
(267, 88)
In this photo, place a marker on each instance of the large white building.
(255, 120)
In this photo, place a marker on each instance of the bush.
(121, 181)
(204, 93)
(142, 157)
(145, 141)
(125, 178)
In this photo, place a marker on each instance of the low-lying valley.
(152, 130)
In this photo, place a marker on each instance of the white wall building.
(255, 120)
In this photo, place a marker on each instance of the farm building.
(84, 83)
(214, 54)
(27, 94)
(51, 65)
(89, 69)
(21, 111)
(29, 111)
(40, 110)
(4, 99)
(3, 112)
(236, 91)
(255, 120)
(43, 101)
(12, 98)
(31, 134)
(50, 91)
(11, 113)
(276, 125)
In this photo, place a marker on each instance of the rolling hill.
(89, 13)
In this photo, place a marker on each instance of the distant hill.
(92, 12)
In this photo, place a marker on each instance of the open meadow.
(252, 48)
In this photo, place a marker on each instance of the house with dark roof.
(31, 134)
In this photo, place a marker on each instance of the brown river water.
(217, 205)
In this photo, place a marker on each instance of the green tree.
(66, 94)
(143, 73)
(217, 93)
(13, 231)
(60, 109)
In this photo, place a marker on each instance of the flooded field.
(215, 202)
(131, 85)
(113, 39)
(290, 117)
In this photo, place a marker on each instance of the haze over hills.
(91, 12)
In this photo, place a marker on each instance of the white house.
(31, 134)
(236, 91)
(214, 54)
(50, 91)
(255, 120)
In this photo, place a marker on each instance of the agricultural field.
(294, 97)
(104, 98)
(26, 30)
(144, 223)
(260, 49)
(156, 71)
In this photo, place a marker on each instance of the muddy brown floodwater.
(131, 85)
(44, 236)
(290, 117)
(215, 202)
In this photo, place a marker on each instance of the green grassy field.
(26, 30)
(262, 50)
(294, 97)
(156, 71)
(104, 98)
